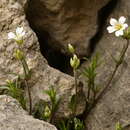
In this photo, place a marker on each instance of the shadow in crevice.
(55, 58)
(53, 55)
(103, 14)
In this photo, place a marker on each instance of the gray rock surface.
(13, 117)
(66, 21)
(115, 104)
(12, 15)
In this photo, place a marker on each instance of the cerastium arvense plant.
(74, 62)
(121, 29)
(53, 107)
(46, 110)
(18, 37)
(15, 90)
(90, 75)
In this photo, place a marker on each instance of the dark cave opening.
(57, 59)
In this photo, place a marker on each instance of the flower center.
(118, 26)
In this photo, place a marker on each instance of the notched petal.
(19, 30)
(111, 29)
(122, 20)
(11, 35)
(113, 21)
(119, 33)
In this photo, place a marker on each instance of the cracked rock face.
(13, 117)
(115, 104)
(66, 21)
(12, 15)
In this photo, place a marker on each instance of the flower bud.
(71, 48)
(118, 126)
(19, 54)
(47, 112)
(127, 33)
(19, 42)
(74, 62)
(9, 81)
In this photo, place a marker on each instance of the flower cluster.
(74, 61)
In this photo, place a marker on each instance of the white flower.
(117, 26)
(18, 35)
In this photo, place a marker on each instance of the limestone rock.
(13, 117)
(114, 106)
(12, 15)
(66, 22)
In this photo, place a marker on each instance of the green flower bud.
(19, 54)
(74, 62)
(118, 126)
(71, 48)
(19, 42)
(9, 82)
(126, 33)
(47, 112)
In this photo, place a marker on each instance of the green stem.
(30, 98)
(27, 74)
(25, 67)
(89, 88)
(121, 58)
(76, 88)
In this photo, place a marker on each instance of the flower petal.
(113, 21)
(122, 20)
(124, 26)
(111, 29)
(19, 30)
(22, 34)
(11, 35)
(119, 33)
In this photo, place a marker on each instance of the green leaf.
(72, 103)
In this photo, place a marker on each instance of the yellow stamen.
(118, 26)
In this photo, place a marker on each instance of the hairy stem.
(30, 98)
(27, 74)
(25, 67)
(120, 61)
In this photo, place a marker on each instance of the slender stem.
(26, 72)
(116, 68)
(76, 88)
(121, 58)
(94, 96)
(89, 88)
(52, 115)
(30, 98)
(25, 67)
(76, 84)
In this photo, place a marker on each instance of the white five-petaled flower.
(18, 35)
(117, 26)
